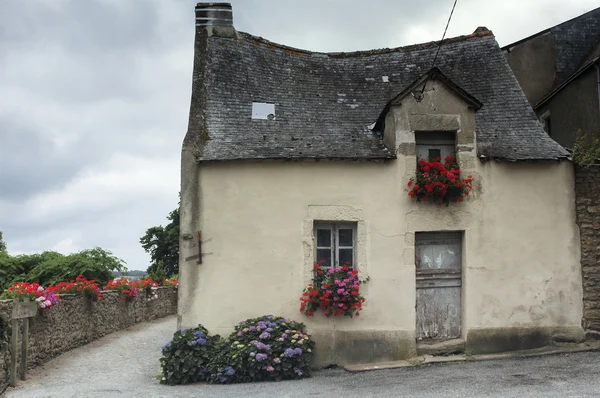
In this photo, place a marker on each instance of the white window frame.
(546, 121)
(446, 146)
(335, 244)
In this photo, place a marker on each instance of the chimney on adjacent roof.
(215, 18)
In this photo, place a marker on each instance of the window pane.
(345, 237)
(324, 255)
(324, 237)
(346, 257)
(434, 154)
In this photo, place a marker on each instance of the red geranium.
(439, 182)
(334, 291)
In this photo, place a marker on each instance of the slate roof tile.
(324, 102)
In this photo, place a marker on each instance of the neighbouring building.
(559, 71)
(293, 156)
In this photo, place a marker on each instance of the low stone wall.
(587, 190)
(76, 321)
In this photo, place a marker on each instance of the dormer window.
(435, 144)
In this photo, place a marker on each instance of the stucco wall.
(76, 321)
(534, 64)
(574, 107)
(521, 272)
(588, 216)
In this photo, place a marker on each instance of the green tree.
(51, 267)
(2, 245)
(162, 243)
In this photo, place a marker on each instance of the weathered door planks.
(438, 280)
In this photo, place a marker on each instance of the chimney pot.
(214, 15)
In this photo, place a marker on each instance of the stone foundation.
(587, 189)
(495, 340)
(349, 347)
(76, 321)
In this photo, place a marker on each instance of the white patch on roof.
(370, 79)
(385, 79)
(263, 111)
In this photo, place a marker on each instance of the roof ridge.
(541, 32)
(480, 32)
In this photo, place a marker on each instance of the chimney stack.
(215, 18)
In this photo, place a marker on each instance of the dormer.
(432, 117)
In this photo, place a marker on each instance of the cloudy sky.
(95, 98)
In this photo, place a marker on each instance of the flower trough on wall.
(438, 182)
(25, 291)
(334, 291)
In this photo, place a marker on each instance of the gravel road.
(124, 364)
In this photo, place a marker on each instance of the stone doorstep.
(440, 347)
(431, 359)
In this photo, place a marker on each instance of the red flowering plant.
(171, 282)
(25, 291)
(149, 286)
(438, 182)
(334, 291)
(81, 285)
(128, 290)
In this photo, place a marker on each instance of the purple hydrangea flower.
(298, 351)
(201, 341)
(229, 371)
(264, 335)
(167, 346)
(289, 352)
(261, 357)
(262, 346)
(252, 328)
(262, 324)
(199, 333)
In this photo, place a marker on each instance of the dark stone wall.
(76, 321)
(587, 190)
(574, 107)
(534, 64)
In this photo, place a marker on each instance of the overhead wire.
(441, 41)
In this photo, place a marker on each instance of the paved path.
(124, 364)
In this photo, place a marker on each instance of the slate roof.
(574, 39)
(324, 102)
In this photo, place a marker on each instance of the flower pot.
(24, 309)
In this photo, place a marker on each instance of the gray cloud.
(95, 98)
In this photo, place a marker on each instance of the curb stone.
(430, 359)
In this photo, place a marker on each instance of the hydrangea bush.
(185, 357)
(268, 348)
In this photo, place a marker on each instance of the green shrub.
(185, 357)
(268, 348)
(586, 150)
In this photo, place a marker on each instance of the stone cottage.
(293, 156)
